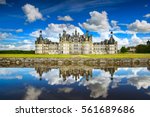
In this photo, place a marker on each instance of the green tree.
(123, 49)
(142, 49)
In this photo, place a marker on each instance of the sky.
(21, 21)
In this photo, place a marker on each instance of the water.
(74, 83)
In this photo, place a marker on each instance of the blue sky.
(21, 20)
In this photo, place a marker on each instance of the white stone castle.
(75, 44)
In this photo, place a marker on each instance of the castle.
(75, 44)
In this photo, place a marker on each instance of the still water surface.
(67, 83)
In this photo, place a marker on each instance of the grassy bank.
(74, 56)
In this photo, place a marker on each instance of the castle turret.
(148, 42)
(75, 32)
(111, 40)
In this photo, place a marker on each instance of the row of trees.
(143, 49)
(16, 52)
(138, 49)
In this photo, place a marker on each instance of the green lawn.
(75, 56)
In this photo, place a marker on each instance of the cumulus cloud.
(7, 47)
(115, 26)
(9, 73)
(138, 77)
(65, 18)
(26, 41)
(131, 72)
(140, 82)
(32, 93)
(65, 90)
(19, 30)
(140, 26)
(136, 40)
(28, 46)
(32, 13)
(52, 31)
(98, 86)
(2, 1)
(147, 15)
(5, 35)
(97, 23)
(121, 41)
(148, 93)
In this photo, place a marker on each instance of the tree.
(143, 48)
(123, 49)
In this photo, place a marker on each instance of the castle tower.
(87, 44)
(39, 44)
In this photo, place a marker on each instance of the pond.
(74, 83)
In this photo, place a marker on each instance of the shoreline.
(90, 56)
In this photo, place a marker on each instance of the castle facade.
(75, 44)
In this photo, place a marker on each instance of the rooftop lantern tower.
(40, 33)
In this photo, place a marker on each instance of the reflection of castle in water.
(41, 70)
(75, 72)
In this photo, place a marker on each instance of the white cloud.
(98, 23)
(32, 13)
(122, 41)
(32, 93)
(2, 1)
(115, 25)
(98, 86)
(147, 15)
(16, 44)
(133, 41)
(138, 77)
(19, 77)
(19, 30)
(148, 93)
(25, 47)
(136, 40)
(7, 47)
(52, 31)
(96, 39)
(140, 26)
(4, 35)
(11, 30)
(65, 90)
(27, 41)
(140, 82)
(6, 72)
(131, 72)
(65, 18)
(29, 46)
(9, 73)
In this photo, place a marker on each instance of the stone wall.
(75, 61)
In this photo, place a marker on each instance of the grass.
(74, 56)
